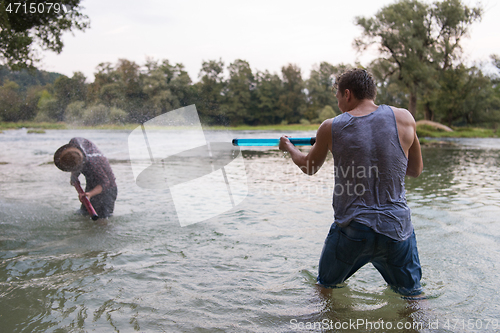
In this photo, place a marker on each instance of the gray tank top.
(369, 170)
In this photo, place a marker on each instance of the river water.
(250, 269)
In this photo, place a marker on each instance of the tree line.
(420, 68)
(128, 93)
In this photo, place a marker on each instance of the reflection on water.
(251, 269)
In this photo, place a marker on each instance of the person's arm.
(312, 162)
(96, 169)
(407, 131)
(95, 191)
(415, 163)
(74, 178)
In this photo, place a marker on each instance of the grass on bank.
(60, 125)
(458, 132)
(422, 130)
(31, 125)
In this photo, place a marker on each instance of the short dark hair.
(359, 81)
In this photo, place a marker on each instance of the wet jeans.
(348, 249)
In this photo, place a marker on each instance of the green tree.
(117, 116)
(68, 90)
(96, 115)
(465, 95)
(29, 108)
(74, 113)
(240, 96)
(292, 102)
(27, 78)
(389, 90)
(10, 101)
(119, 86)
(319, 89)
(17, 105)
(48, 107)
(495, 59)
(106, 88)
(419, 39)
(326, 113)
(211, 92)
(268, 90)
(130, 82)
(23, 25)
(495, 79)
(180, 84)
(166, 87)
(452, 20)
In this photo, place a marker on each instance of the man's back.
(370, 168)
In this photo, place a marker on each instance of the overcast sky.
(267, 33)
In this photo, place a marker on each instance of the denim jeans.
(349, 248)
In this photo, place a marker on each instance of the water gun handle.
(273, 142)
(85, 201)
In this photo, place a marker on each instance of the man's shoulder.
(327, 122)
(325, 131)
(403, 116)
(326, 126)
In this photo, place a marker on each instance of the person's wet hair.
(359, 81)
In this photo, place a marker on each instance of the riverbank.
(426, 131)
(423, 131)
(60, 125)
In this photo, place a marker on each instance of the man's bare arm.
(415, 163)
(312, 162)
(407, 130)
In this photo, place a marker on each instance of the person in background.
(81, 156)
(373, 148)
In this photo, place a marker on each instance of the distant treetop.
(27, 25)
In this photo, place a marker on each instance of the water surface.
(251, 269)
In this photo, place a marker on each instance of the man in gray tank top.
(373, 148)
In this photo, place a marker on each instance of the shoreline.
(425, 132)
(63, 126)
